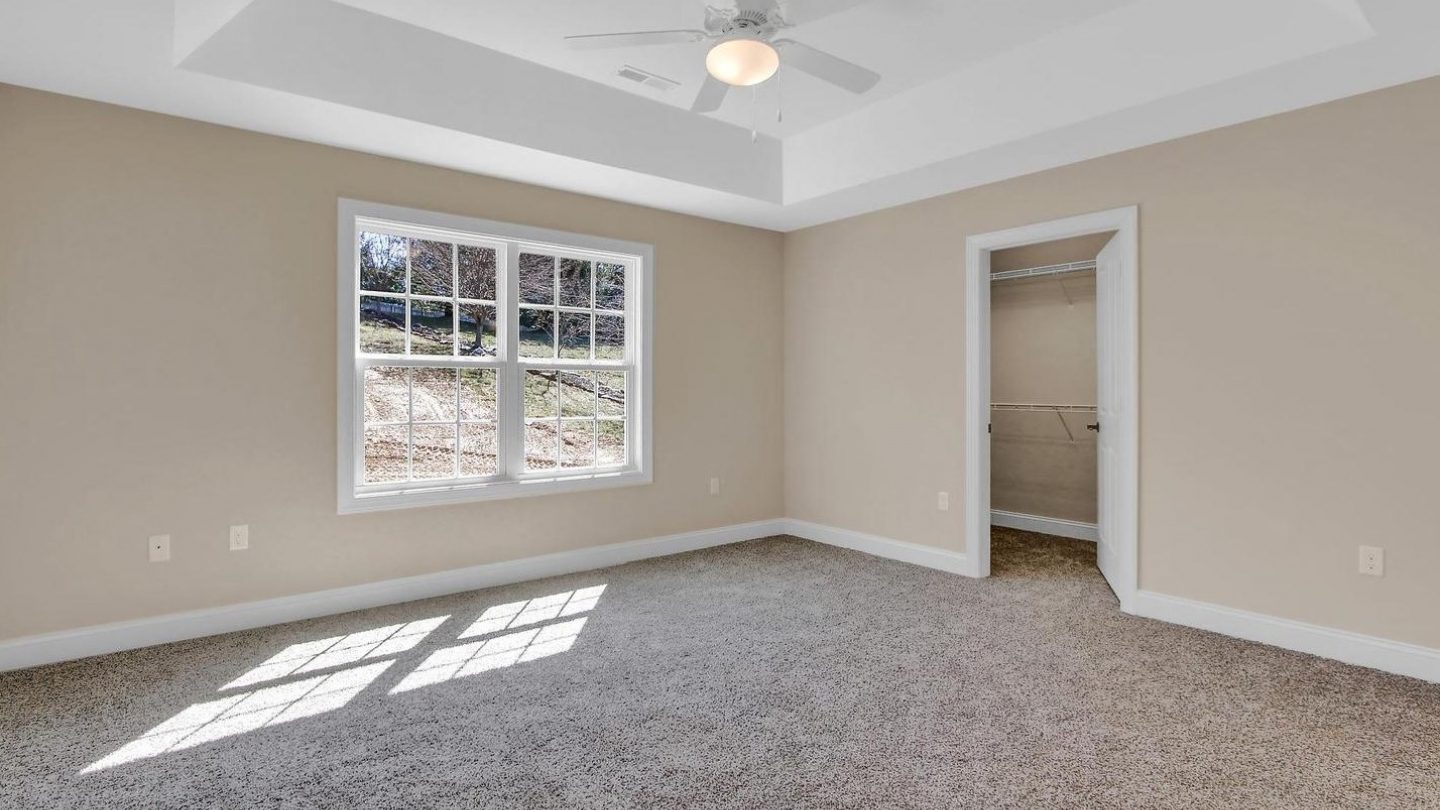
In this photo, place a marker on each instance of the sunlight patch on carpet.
(539, 609)
(311, 656)
(245, 712)
(492, 653)
(297, 697)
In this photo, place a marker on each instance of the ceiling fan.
(746, 51)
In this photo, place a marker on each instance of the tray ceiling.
(972, 92)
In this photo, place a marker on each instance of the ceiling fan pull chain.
(779, 100)
(754, 131)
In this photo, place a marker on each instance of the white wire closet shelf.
(1044, 407)
(1046, 270)
(1038, 406)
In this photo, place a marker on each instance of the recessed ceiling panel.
(331, 51)
(908, 42)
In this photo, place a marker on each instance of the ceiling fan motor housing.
(749, 23)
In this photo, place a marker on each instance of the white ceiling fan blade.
(822, 65)
(796, 12)
(711, 95)
(627, 39)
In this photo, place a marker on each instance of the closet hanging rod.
(1035, 406)
(1047, 270)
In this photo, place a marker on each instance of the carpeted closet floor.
(778, 673)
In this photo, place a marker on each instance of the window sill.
(355, 503)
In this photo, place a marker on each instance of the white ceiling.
(908, 42)
(973, 90)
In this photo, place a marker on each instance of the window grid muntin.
(508, 365)
(591, 363)
(410, 423)
(410, 233)
(411, 361)
(557, 256)
(595, 418)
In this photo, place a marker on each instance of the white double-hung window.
(484, 360)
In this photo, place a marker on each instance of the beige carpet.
(779, 673)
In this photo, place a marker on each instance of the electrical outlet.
(1372, 561)
(160, 548)
(240, 537)
(714, 486)
(943, 502)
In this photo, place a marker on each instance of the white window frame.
(639, 259)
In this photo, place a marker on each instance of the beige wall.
(167, 365)
(1042, 350)
(1290, 330)
(1289, 298)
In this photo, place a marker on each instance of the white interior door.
(1110, 404)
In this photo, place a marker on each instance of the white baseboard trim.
(48, 648)
(1045, 525)
(913, 553)
(28, 651)
(1396, 657)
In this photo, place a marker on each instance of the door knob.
(1095, 427)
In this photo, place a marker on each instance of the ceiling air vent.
(646, 78)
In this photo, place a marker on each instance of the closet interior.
(1043, 418)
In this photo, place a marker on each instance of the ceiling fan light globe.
(742, 62)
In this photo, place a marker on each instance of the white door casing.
(1117, 337)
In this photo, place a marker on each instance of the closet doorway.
(1051, 388)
